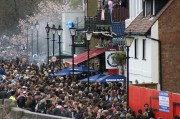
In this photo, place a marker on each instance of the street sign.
(164, 101)
(54, 59)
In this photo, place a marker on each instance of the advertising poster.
(163, 101)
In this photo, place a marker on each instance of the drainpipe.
(84, 5)
(160, 63)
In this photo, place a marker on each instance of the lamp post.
(32, 38)
(37, 28)
(72, 30)
(128, 42)
(27, 28)
(59, 32)
(88, 36)
(47, 28)
(53, 30)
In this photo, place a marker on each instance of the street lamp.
(53, 30)
(59, 32)
(27, 27)
(72, 30)
(88, 36)
(32, 37)
(47, 28)
(128, 42)
(37, 28)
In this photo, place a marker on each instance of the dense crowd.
(34, 89)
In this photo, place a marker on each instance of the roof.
(141, 25)
(84, 56)
(63, 56)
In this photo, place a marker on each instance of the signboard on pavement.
(163, 101)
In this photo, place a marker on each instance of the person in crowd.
(146, 107)
(21, 99)
(139, 115)
(34, 90)
(13, 96)
(29, 102)
(58, 109)
(176, 117)
(148, 110)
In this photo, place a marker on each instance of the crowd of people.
(34, 89)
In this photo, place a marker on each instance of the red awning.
(83, 57)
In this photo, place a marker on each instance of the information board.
(163, 101)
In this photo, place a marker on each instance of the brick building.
(169, 34)
(156, 48)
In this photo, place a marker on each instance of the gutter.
(160, 62)
(134, 33)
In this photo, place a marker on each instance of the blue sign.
(163, 101)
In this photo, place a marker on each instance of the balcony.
(90, 23)
(119, 13)
(107, 18)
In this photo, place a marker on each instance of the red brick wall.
(169, 34)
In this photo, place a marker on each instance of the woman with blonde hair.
(29, 102)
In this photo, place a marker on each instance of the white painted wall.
(135, 8)
(66, 38)
(155, 62)
(144, 70)
(155, 53)
(140, 69)
(154, 30)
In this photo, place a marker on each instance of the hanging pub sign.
(79, 40)
(109, 62)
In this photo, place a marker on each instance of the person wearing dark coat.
(57, 112)
(79, 114)
(58, 109)
(21, 101)
(66, 112)
(4, 95)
